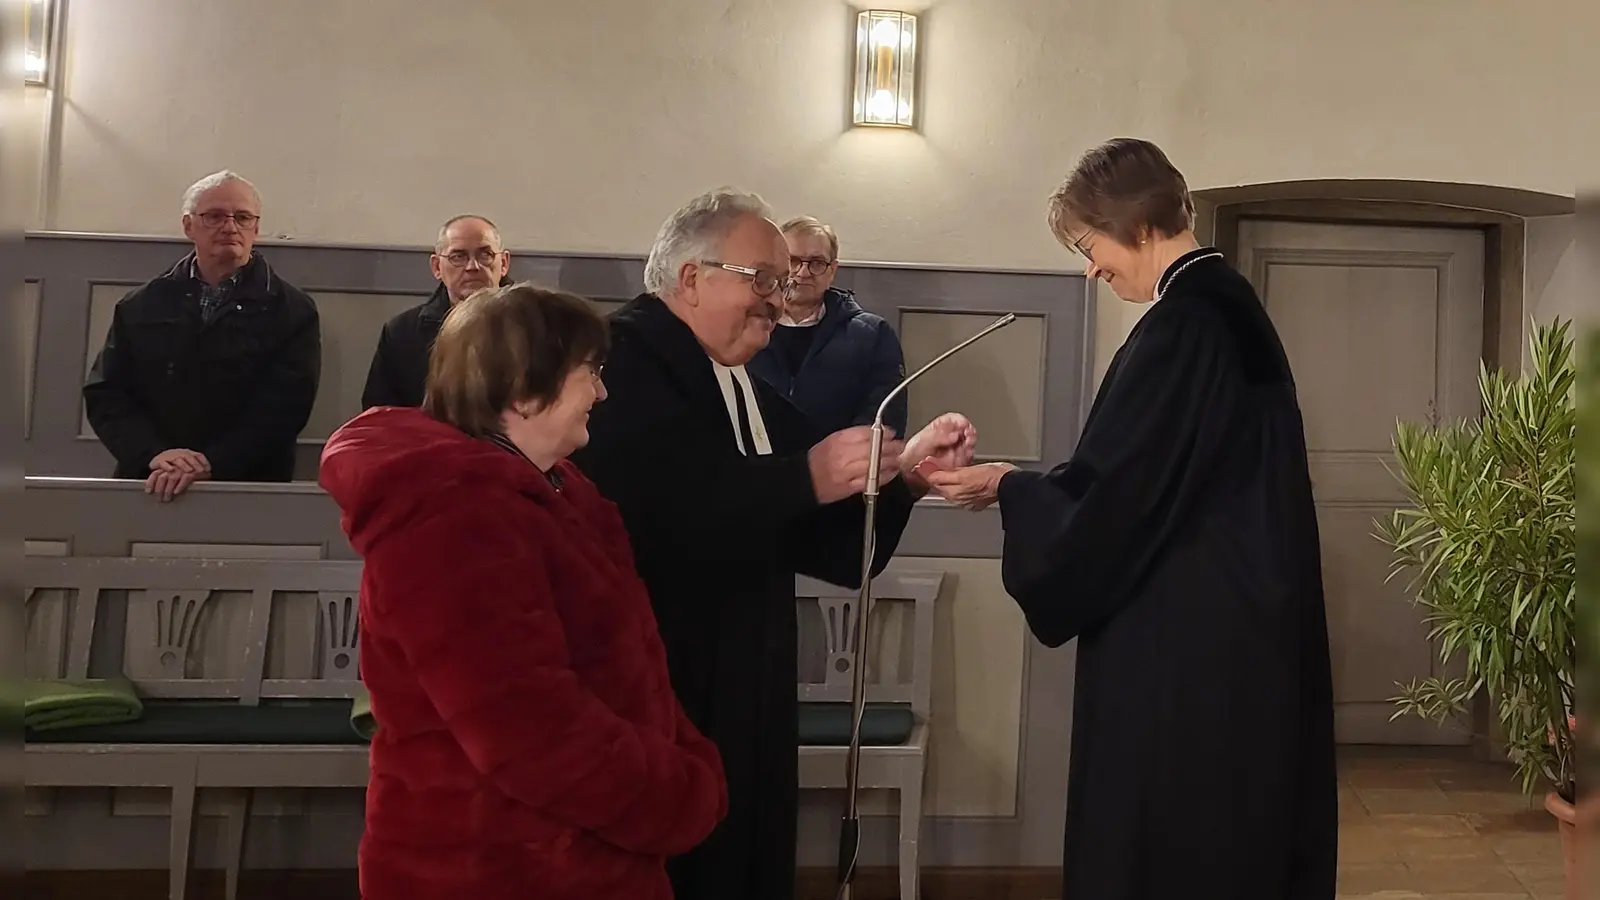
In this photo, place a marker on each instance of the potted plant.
(1490, 537)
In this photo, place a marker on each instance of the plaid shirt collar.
(214, 298)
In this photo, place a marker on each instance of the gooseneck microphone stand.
(850, 831)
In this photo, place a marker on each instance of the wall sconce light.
(36, 16)
(886, 78)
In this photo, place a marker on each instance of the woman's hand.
(972, 487)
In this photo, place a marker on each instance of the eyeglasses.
(215, 218)
(1077, 245)
(596, 370)
(810, 264)
(765, 284)
(483, 256)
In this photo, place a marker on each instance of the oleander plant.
(1489, 539)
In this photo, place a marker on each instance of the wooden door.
(1381, 324)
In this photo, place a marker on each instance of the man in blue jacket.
(831, 358)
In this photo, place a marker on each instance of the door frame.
(1505, 238)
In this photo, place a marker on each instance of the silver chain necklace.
(1215, 254)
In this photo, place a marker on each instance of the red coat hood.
(390, 464)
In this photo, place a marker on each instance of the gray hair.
(191, 197)
(695, 232)
(444, 230)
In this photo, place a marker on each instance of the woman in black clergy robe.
(1179, 546)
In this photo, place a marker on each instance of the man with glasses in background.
(209, 371)
(467, 257)
(830, 357)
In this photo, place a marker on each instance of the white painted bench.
(247, 668)
(213, 718)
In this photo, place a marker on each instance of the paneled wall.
(75, 281)
(996, 786)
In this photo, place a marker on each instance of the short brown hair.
(814, 225)
(507, 345)
(1124, 188)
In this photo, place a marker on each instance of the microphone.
(850, 830)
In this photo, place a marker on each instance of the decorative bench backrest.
(270, 629)
(899, 641)
(205, 628)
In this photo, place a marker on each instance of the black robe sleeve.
(1080, 539)
(679, 481)
(672, 479)
(826, 544)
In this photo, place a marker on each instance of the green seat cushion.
(882, 724)
(53, 705)
(361, 717)
(219, 722)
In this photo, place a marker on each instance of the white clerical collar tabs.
(727, 377)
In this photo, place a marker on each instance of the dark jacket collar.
(438, 304)
(839, 300)
(253, 281)
(839, 306)
(649, 317)
(439, 301)
(668, 338)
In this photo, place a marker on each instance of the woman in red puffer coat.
(529, 743)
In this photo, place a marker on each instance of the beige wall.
(578, 126)
(1551, 281)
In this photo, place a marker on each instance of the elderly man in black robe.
(1179, 546)
(727, 494)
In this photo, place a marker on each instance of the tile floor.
(1439, 825)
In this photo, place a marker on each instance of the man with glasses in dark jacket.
(467, 257)
(209, 371)
(830, 357)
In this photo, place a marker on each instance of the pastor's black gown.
(1179, 545)
(718, 535)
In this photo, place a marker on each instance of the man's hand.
(179, 460)
(839, 464)
(947, 442)
(173, 471)
(973, 487)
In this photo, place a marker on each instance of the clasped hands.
(841, 461)
(938, 458)
(173, 471)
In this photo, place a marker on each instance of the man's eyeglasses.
(483, 256)
(810, 264)
(765, 284)
(215, 218)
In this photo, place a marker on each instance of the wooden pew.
(247, 668)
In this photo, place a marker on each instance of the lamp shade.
(36, 16)
(886, 79)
